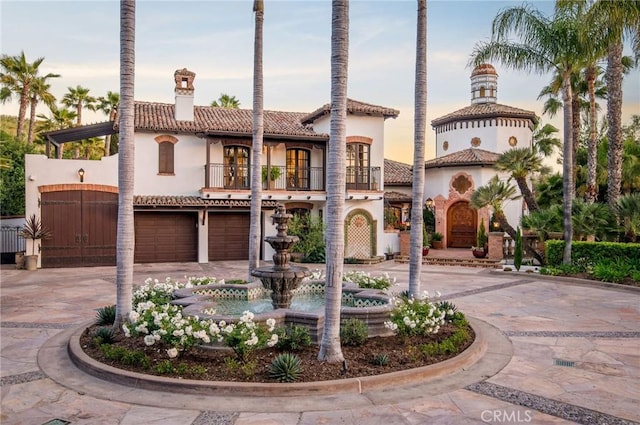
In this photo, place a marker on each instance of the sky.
(80, 41)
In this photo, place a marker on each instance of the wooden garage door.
(83, 225)
(166, 237)
(229, 236)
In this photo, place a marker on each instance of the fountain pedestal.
(281, 278)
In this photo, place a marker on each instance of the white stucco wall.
(492, 138)
(189, 160)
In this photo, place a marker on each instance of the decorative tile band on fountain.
(369, 305)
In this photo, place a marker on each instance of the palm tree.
(417, 220)
(109, 105)
(330, 349)
(79, 99)
(612, 21)
(544, 140)
(125, 233)
(521, 163)
(58, 119)
(258, 133)
(494, 194)
(39, 92)
(628, 211)
(539, 50)
(17, 76)
(226, 101)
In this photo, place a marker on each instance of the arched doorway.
(461, 225)
(360, 234)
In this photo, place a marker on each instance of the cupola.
(484, 84)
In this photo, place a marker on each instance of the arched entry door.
(461, 225)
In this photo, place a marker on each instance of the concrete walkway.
(575, 356)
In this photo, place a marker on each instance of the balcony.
(238, 177)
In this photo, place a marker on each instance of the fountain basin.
(369, 305)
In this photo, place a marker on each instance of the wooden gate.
(83, 225)
(461, 225)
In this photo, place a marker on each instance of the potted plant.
(390, 219)
(389, 254)
(480, 250)
(436, 240)
(274, 174)
(425, 241)
(33, 230)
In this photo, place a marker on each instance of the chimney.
(184, 94)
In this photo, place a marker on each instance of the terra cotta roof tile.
(470, 156)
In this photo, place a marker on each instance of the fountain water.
(281, 278)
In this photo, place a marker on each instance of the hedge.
(591, 252)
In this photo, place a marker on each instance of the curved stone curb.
(63, 360)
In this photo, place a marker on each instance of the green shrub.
(103, 335)
(517, 253)
(415, 317)
(125, 356)
(310, 231)
(236, 282)
(285, 368)
(592, 252)
(381, 359)
(293, 337)
(353, 332)
(612, 271)
(448, 308)
(164, 367)
(365, 280)
(106, 315)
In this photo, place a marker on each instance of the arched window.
(298, 169)
(482, 92)
(357, 166)
(165, 158)
(236, 167)
(165, 154)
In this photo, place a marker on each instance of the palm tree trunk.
(527, 194)
(415, 264)
(32, 120)
(258, 132)
(504, 223)
(592, 151)
(22, 111)
(575, 125)
(330, 349)
(125, 234)
(614, 117)
(567, 167)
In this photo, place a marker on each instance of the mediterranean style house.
(192, 182)
(468, 143)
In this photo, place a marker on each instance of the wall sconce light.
(309, 197)
(289, 197)
(32, 177)
(81, 175)
(429, 204)
(366, 197)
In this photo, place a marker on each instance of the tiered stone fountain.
(281, 278)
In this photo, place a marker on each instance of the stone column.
(405, 242)
(496, 240)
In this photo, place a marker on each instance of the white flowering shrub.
(365, 280)
(246, 336)
(156, 320)
(415, 316)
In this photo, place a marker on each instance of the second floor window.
(165, 158)
(357, 166)
(298, 169)
(236, 167)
